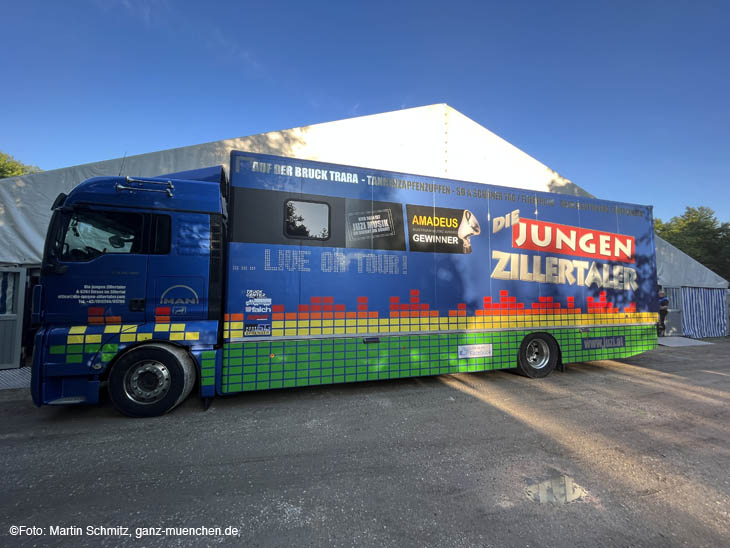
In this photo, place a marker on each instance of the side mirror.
(116, 241)
(36, 310)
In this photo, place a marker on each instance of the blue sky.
(630, 100)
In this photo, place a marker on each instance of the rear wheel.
(151, 380)
(538, 355)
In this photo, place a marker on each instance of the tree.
(294, 222)
(10, 167)
(701, 236)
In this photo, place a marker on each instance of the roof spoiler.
(215, 174)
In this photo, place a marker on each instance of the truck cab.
(128, 262)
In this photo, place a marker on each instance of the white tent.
(697, 296)
(434, 140)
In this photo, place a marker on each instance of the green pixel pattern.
(280, 364)
(75, 353)
(207, 368)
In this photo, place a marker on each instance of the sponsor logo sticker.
(475, 351)
(599, 343)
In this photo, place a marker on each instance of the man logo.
(179, 294)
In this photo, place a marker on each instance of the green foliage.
(10, 167)
(701, 236)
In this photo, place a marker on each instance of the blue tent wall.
(704, 312)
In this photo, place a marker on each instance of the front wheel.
(151, 380)
(538, 355)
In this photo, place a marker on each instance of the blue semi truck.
(286, 273)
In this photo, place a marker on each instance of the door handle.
(136, 305)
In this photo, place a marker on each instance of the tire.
(151, 380)
(538, 356)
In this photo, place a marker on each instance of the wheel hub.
(147, 382)
(537, 354)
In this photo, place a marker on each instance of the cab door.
(95, 267)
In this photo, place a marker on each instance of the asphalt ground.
(642, 445)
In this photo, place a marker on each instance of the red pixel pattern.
(325, 308)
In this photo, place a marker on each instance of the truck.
(286, 272)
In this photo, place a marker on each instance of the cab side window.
(160, 238)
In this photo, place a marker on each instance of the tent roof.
(677, 269)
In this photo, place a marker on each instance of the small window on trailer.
(306, 220)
